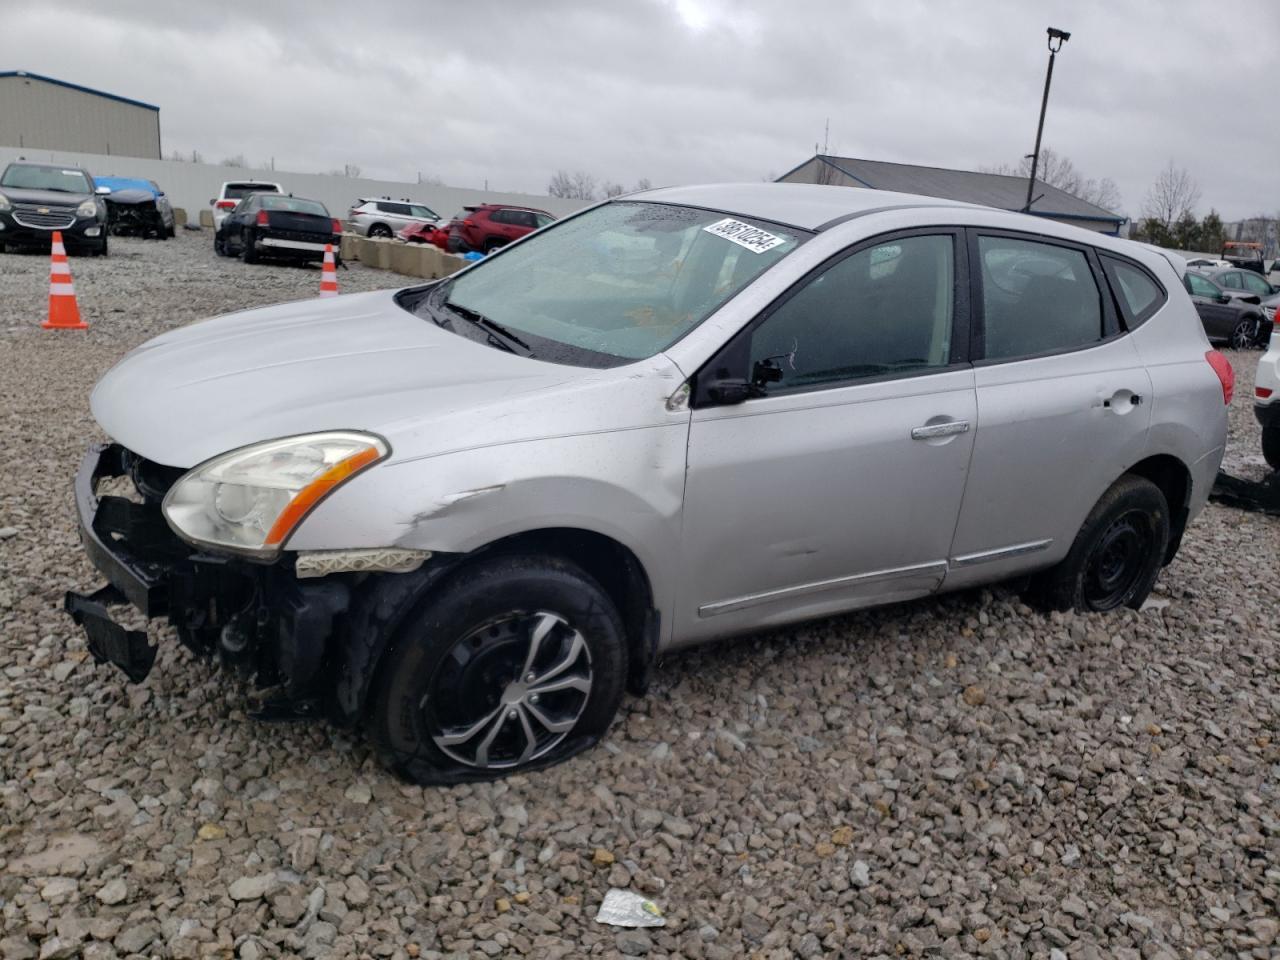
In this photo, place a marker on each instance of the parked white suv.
(233, 191)
(1266, 400)
(467, 514)
(384, 217)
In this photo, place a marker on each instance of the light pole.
(1056, 39)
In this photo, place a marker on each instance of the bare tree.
(643, 184)
(1057, 170)
(1172, 197)
(612, 189)
(236, 161)
(578, 185)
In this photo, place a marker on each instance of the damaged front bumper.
(257, 616)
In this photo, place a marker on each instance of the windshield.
(293, 205)
(45, 178)
(619, 283)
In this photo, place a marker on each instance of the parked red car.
(488, 226)
(426, 233)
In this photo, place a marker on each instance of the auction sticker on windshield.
(744, 235)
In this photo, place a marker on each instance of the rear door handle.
(940, 430)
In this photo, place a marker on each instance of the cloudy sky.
(682, 91)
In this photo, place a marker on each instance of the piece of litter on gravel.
(1154, 603)
(622, 908)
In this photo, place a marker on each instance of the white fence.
(191, 185)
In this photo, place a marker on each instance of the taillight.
(1262, 392)
(1222, 367)
(337, 226)
(262, 218)
(468, 223)
(225, 204)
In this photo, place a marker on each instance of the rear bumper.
(271, 243)
(257, 616)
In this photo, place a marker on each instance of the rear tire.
(453, 700)
(380, 230)
(1271, 444)
(1116, 555)
(247, 253)
(492, 244)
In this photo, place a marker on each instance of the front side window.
(418, 210)
(1231, 280)
(542, 219)
(1198, 286)
(1036, 298)
(618, 283)
(885, 309)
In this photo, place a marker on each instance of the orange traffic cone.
(329, 275)
(64, 314)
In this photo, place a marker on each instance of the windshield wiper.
(492, 326)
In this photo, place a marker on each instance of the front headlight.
(87, 209)
(4, 203)
(250, 500)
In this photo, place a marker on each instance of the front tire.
(513, 663)
(1116, 555)
(1244, 334)
(1271, 444)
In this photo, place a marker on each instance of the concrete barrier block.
(179, 217)
(348, 249)
(451, 263)
(407, 258)
(206, 218)
(431, 262)
(375, 253)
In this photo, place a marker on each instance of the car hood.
(356, 362)
(50, 198)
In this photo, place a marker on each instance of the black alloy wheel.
(510, 691)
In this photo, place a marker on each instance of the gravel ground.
(952, 777)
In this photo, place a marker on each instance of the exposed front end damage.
(260, 618)
(134, 213)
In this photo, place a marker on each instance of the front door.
(839, 482)
(1218, 317)
(1064, 402)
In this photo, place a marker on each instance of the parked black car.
(271, 225)
(38, 198)
(1234, 316)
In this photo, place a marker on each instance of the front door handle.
(932, 430)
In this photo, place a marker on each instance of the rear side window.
(1136, 290)
(501, 216)
(394, 208)
(1231, 280)
(1037, 298)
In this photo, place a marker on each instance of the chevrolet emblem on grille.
(42, 209)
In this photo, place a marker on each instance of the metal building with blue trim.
(999, 190)
(42, 113)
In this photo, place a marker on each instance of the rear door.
(1064, 403)
(837, 484)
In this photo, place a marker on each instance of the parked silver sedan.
(469, 514)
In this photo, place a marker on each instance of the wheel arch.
(1173, 478)
(379, 609)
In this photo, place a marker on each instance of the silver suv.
(469, 514)
(384, 217)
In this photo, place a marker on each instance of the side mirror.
(765, 371)
(102, 191)
(729, 391)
